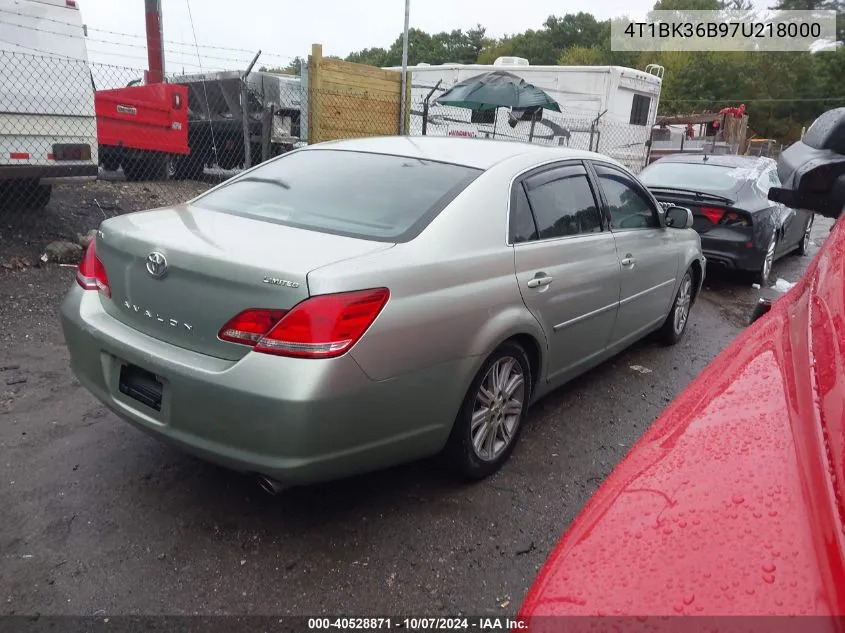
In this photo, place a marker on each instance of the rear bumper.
(731, 253)
(49, 174)
(298, 421)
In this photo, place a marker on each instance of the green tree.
(291, 69)
(371, 56)
(585, 56)
(687, 5)
(535, 46)
(807, 5)
(817, 5)
(574, 29)
(457, 47)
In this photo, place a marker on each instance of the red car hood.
(731, 503)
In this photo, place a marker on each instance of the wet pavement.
(98, 518)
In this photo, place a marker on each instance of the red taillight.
(324, 326)
(250, 325)
(713, 214)
(91, 274)
(71, 4)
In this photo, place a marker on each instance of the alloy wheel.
(682, 304)
(497, 409)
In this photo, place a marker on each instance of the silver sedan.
(358, 304)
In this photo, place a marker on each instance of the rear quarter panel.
(453, 289)
(689, 247)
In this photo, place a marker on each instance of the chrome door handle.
(537, 282)
(628, 261)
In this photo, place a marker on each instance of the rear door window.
(358, 194)
(522, 226)
(563, 203)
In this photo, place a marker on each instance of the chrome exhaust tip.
(271, 486)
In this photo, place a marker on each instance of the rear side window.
(522, 224)
(563, 203)
(370, 196)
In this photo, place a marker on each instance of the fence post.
(266, 132)
(314, 62)
(425, 107)
(245, 113)
(245, 123)
(406, 115)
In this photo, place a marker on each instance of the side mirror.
(813, 170)
(679, 218)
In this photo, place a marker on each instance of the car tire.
(764, 274)
(672, 330)
(135, 170)
(804, 244)
(504, 381)
(26, 194)
(111, 163)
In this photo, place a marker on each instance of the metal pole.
(155, 42)
(245, 112)
(425, 107)
(402, 104)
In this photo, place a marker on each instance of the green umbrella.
(497, 89)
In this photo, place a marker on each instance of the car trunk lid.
(180, 274)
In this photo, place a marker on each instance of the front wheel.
(490, 419)
(676, 323)
(804, 246)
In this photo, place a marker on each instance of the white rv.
(609, 109)
(48, 127)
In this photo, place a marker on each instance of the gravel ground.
(76, 209)
(100, 519)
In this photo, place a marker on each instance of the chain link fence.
(81, 142)
(569, 128)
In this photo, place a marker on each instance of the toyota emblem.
(156, 264)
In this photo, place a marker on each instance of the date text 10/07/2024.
(417, 624)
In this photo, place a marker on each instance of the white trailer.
(48, 127)
(609, 109)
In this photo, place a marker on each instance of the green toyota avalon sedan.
(358, 304)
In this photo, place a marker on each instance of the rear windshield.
(371, 196)
(696, 176)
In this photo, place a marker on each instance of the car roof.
(470, 152)
(755, 163)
